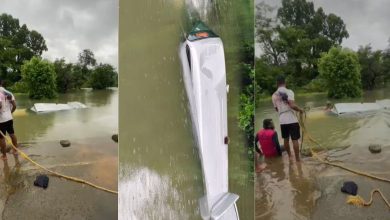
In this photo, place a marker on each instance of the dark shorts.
(7, 127)
(291, 130)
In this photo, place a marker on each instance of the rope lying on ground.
(355, 200)
(74, 179)
(359, 201)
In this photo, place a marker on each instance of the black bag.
(349, 187)
(42, 181)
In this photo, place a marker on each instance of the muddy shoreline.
(284, 191)
(312, 190)
(94, 160)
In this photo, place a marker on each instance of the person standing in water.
(283, 101)
(7, 107)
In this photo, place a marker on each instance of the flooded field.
(312, 190)
(160, 171)
(92, 156)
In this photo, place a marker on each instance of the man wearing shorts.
(7, 107)
(283, 101)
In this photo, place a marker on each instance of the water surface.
(312, 190)
(160, 170)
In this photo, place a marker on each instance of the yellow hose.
(74, 179)
(355, 200)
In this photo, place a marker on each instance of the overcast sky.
(69, 26)
(368, 21)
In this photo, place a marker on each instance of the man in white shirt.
(7, 107)
(283, 101)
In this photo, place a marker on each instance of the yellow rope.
(360, 202)
(74, 179)
(355, 200)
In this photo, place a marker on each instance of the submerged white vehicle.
(355, 108)
(203, 63)
(52, 107)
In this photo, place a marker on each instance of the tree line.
(23, 69)
(304, 44)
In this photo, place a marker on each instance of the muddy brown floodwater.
(92, 156)
(312, 190)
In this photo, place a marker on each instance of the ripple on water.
(145, 194)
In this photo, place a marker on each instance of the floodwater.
(160, 171)
(311, 190)
(92, 156)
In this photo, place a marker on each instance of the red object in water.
(202, 34)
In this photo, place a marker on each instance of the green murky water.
(160, 171)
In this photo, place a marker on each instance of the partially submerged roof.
(348, 108)
(50, 107)
(385, 103)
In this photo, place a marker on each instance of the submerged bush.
(40, 78)
(19, 87)
(340, 69)
(316, 85)
(103, 76)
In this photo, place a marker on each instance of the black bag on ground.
(350, 187)
(42, 181)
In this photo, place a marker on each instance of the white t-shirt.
(286, 114)
(6, 106)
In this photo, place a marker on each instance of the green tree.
(340, 69)
(40, 78)
(87, 62)
(65, 79)
(266, 76)
(103, 76)
(78, 77)
(17, 44)
(266, 34)
(305, 33)
(372, 72)
(294, 39)
(36, 43)
(386, 64)
(87, 58)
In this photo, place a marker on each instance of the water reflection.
(284, 190)
(99, 119)
(151, 196)
(303, 186)
(10, 174)
(10, 179)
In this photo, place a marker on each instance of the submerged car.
(203, 67)
(52, 107)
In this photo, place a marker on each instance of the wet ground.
(312, 190)
(92, 156)
(63, 199)
(331, 205)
